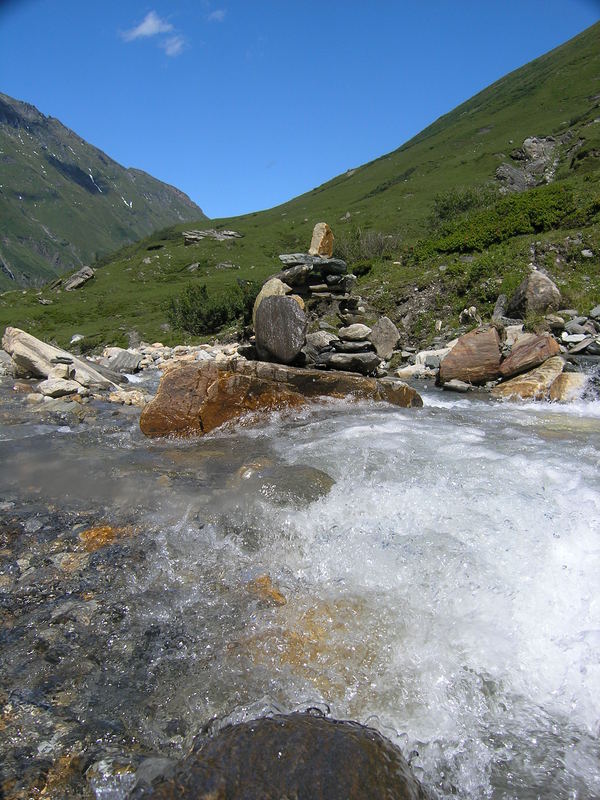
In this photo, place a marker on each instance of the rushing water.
(445, 590)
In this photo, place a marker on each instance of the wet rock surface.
(300, 756)
(195, 399)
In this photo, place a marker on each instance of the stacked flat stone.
(350, 350)
(318, 277)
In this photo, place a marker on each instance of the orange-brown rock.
(533, 385)
(322, 241)
(529, 351)
(475, 358)
(263, 588)
(195, 399)
(95, 538)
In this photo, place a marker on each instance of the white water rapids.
(445, 590)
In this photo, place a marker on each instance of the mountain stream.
(431, 572)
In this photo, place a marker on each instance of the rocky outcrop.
(78, 279)
(537, 294)
(322, 241)
(293, 756)
(533, 163)
(196, 398)
(193, 237)
(36, 358)
(529, 351)
(474, 359)
(280, 328)
(533, 385)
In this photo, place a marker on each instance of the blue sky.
(244, 104)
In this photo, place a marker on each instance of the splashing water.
(445, 589)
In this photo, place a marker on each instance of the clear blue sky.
(244, 104)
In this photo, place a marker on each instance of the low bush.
(357, 245)
(198, 312)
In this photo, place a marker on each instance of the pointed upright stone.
(322, 240)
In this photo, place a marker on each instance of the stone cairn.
(310, 286)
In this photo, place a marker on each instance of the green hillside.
(64, 203)
(457, 234)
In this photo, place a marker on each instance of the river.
(443, 590)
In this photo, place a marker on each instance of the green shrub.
(198, 312)
(533, 211)
(456, 201)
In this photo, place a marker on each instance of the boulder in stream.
(475, 358)
(293, 756)
(196, 398)
(533, 385)
(33, 357)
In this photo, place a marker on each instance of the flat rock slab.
(533, 385)
(294, 756)
(34, 357)
(475, 358)
(280, 327)
(529, 351)
(78, 279)
(364, 363)
(196, 398)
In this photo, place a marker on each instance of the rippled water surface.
(444, 589)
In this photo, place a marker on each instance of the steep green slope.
(458, 239)
(64, 203)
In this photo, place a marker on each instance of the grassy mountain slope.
(64, 203)
(457, 240)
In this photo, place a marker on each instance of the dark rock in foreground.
(296, 756)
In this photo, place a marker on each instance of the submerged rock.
(196, 398)
(294, 756)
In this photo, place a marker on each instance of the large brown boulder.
(537, 294)
(533, 385)
(475, 358)
(294, 756)
(193, 400)
(196, 398)
(280, 326)
(529, 351)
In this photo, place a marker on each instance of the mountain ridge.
(63, 200)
